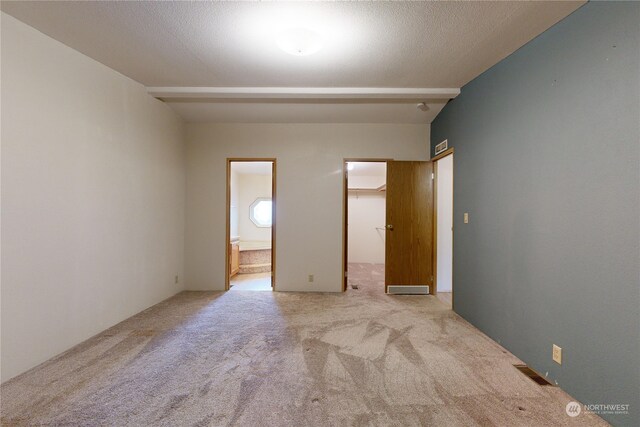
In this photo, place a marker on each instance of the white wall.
(251, 187)
(309, 192)
(93, 196)
(367, 211)
(234, 218)
(445, 223)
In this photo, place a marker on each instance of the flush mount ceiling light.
(299, 41)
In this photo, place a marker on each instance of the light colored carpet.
(445, 298)
(295, 359)
(251, 282)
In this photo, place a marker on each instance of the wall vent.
(532, 374)
(442, 146)
(408, 290)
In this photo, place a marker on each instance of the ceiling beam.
(343, 93)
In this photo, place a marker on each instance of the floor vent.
(408, 290)
(532, 374)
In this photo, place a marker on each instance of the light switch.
(466, 217)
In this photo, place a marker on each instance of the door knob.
(389, 227)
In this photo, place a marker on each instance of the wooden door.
(409, 235)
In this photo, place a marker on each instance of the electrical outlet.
(311, 278)
(466, 217)
(557, 354)
(176, 279)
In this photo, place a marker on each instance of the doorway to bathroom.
(364, 216)
(250, 231)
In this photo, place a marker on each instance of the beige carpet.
(270, 359)
(251, 282)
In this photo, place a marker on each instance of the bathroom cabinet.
(234, 258)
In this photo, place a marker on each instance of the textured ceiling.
(367, 44)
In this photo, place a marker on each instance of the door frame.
(434, 160)
(227, 271)
(345, 209)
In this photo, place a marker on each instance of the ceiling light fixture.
(299, 41)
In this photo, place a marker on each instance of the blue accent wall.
(547, 164)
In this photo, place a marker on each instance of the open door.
(409, 234)
(251, 224)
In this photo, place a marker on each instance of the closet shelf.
(383, 187)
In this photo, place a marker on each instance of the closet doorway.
(364, 223)
(250, 232)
